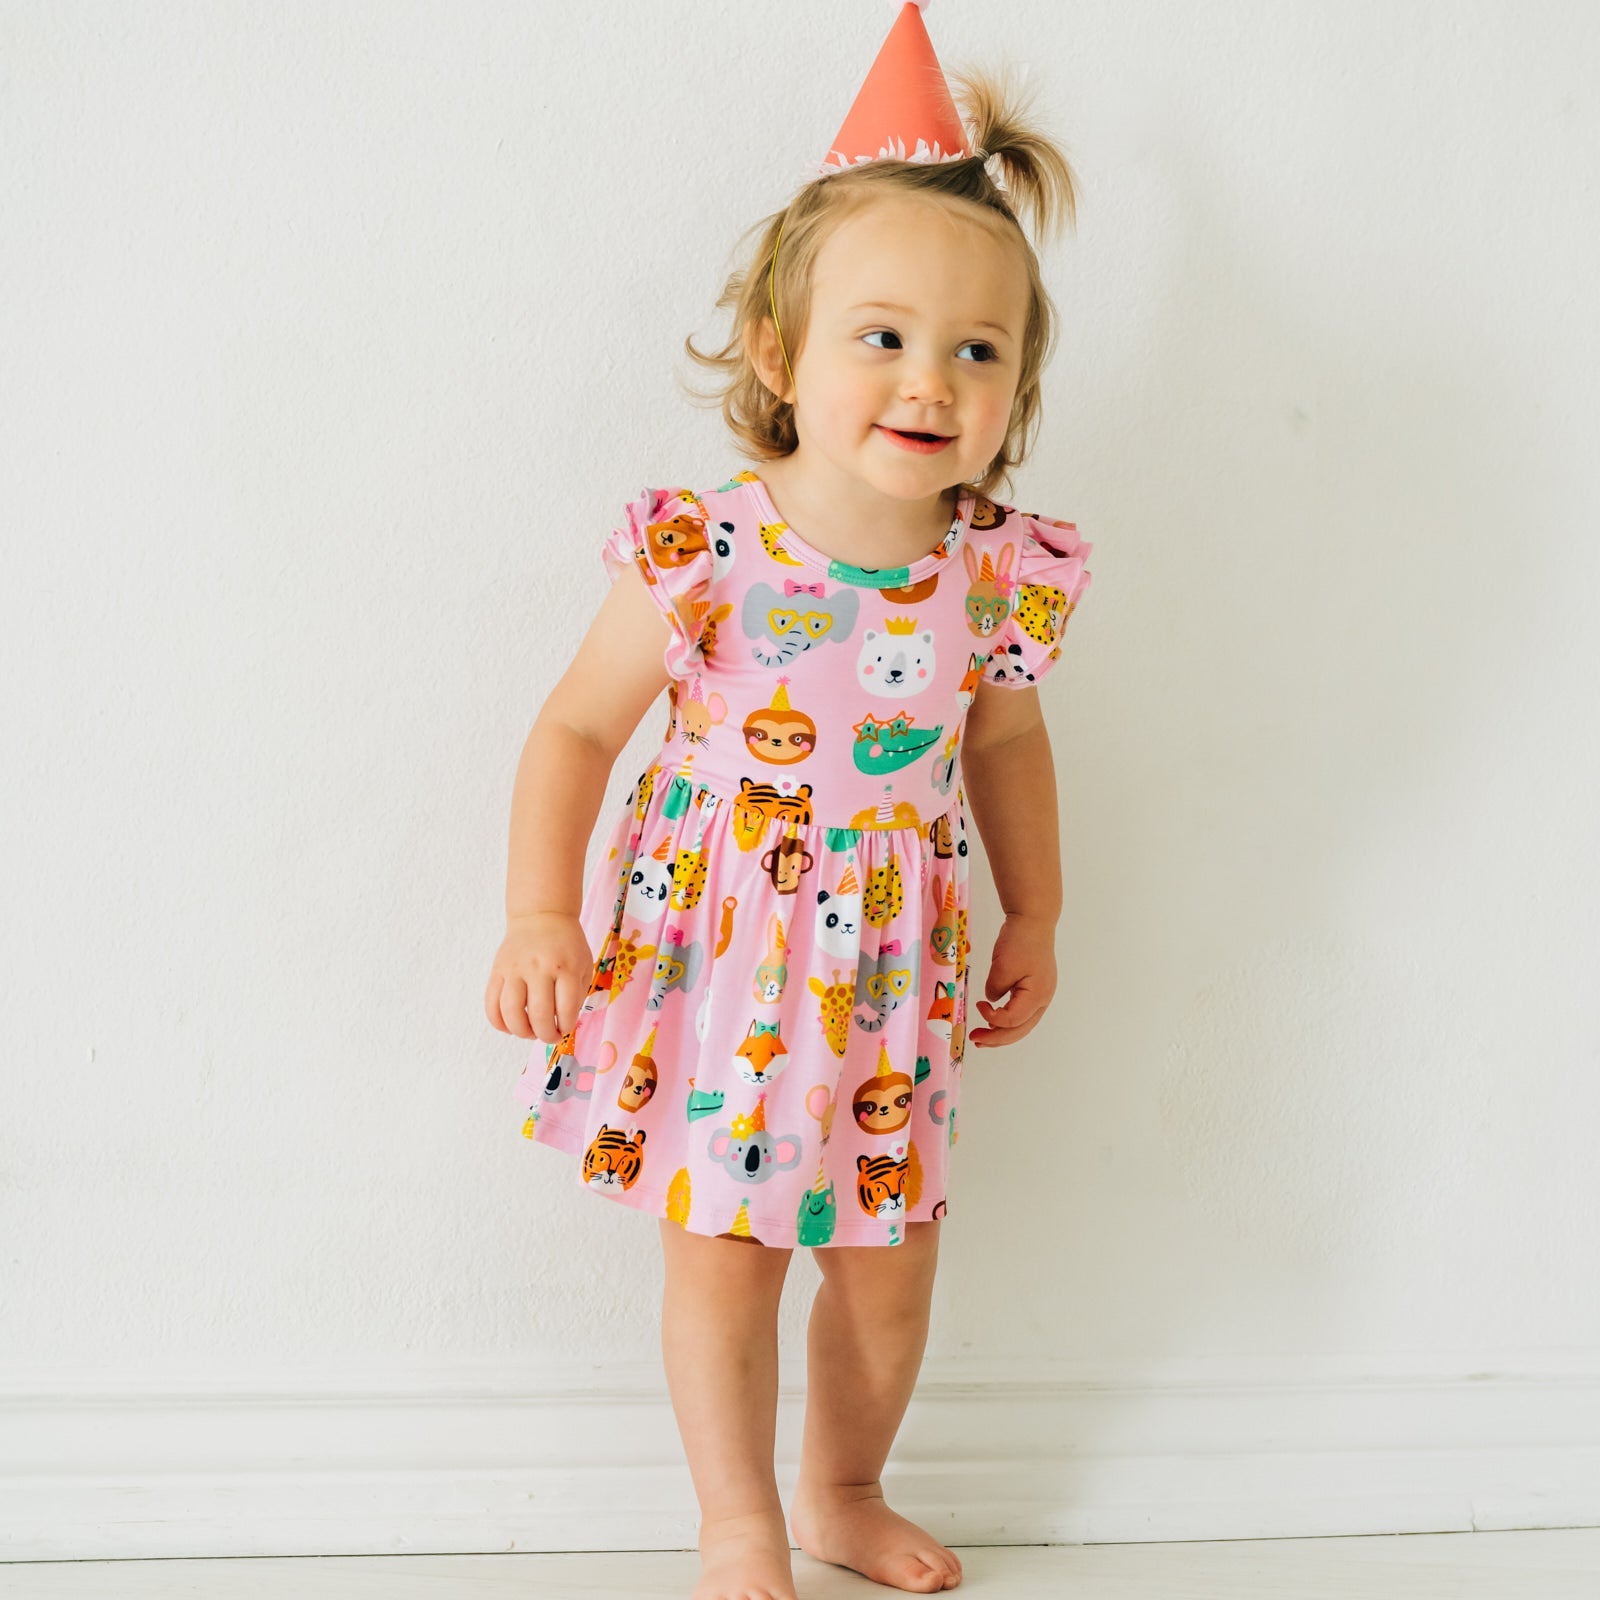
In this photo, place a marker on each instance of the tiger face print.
(881, 1185)
(613, 1160)
(773, 804)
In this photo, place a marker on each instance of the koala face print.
(757, 1155)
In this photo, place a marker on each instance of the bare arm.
(1010, 782)
(615, 676)
(543, 967)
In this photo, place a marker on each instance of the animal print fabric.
(771, 1046)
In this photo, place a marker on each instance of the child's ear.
(763, 352)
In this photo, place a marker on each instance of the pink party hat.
(904, 109)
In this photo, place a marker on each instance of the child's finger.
(1004, 1012)
(987, 1036)
(1018, 1010)
(542, 1010)
(990, 1038)
(509, 1001)
(491, 1002)
(996, 1018)
(570, 993)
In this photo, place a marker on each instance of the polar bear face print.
(895, 664)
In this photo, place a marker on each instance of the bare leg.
(719, 1341)
(869, 1326)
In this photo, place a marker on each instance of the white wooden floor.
(1563, 1564)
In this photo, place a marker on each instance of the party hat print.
(749, 1122)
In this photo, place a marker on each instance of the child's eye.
(889, 333)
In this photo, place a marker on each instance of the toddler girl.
(752, 1022)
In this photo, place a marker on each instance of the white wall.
(334, 340)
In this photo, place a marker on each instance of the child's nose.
(926, 382)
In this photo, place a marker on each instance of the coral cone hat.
(904, 109)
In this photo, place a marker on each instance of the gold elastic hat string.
(772, 296)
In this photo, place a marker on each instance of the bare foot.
(745, 1558)
(854, 1528)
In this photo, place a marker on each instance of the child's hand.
(540, 977)
(1024, 961)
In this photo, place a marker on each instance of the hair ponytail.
(1038, 177)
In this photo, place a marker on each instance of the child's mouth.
(922, 443)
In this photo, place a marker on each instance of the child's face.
(947, 363)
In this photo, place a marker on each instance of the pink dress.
(771, 1045)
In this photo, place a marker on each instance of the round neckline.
(846, 571)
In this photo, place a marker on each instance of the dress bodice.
(834, 693)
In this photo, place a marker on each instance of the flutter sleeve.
(1046, 583)
(663, 533)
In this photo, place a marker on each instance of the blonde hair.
(1037, 175)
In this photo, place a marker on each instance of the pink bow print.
(889, 947)
(791, 587)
